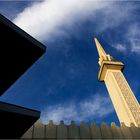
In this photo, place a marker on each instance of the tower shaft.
(124, 101)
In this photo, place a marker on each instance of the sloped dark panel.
(15, 120)
(18, 51)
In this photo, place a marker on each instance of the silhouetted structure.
(18, 51)
(15, 120)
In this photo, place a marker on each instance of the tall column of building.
(123, 99)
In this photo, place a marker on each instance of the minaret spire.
(101, 52)
(123, 98)
(100, 49)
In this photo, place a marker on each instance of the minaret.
(123, 98)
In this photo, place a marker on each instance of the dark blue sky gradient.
(68, 71)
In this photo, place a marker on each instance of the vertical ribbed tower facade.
(123, 98)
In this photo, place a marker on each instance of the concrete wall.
(72, 131)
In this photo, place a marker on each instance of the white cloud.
(46, 18)
(135, 45)
(133, 36)
(49, 18)
(96, 106)
(120, 47)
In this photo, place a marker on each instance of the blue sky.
(63, 83)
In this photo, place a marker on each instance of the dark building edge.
(8, 107)
(21, 32)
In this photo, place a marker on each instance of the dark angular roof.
(15, 120)
(18, 51)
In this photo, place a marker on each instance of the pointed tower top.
(106, 62)
(100, 49)
(101, 52)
